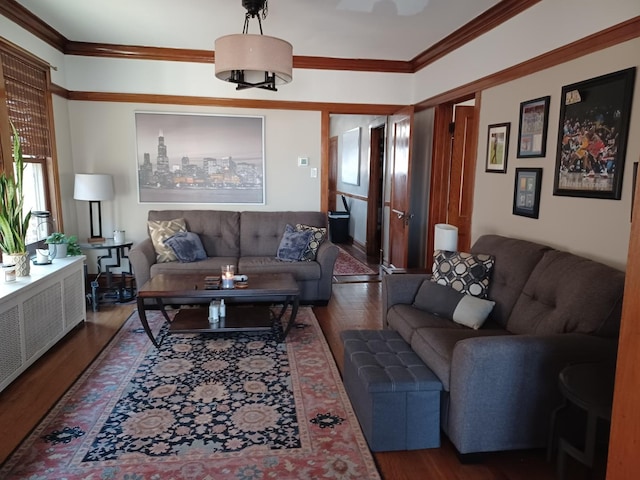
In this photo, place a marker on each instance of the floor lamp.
(94, 187)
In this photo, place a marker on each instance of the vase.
(22, 263)
(58, 250)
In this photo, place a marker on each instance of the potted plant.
(64, 245)
(14, 222)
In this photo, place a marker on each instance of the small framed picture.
(526, 192)
(532, 130)
(497, 147)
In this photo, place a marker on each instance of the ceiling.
(366, 29)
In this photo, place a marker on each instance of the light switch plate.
(314, 172)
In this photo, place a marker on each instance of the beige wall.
(598, 228)
(103, 141)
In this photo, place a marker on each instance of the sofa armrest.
(142, 256)
(504, 388)
(326, 257)
(400, 288)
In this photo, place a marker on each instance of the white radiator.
(37, 311)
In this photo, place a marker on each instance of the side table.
(588, 386)
(114, 291)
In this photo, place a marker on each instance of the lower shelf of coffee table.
(238, 319)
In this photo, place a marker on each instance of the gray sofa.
(500, 382)
(248, 240)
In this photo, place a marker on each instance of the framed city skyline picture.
(200, 158)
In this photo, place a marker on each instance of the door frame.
(441, 165)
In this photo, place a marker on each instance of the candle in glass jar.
(228, 272)
(9, 273)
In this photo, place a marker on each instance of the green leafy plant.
(73, 248)
(14, 223)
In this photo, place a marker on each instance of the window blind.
(26, 90)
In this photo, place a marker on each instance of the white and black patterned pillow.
(465, 272)
(319, 234)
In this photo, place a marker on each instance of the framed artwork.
(526, 192)
(198, 158)
(532, 129)
(350, 158)
(592, 136)
(497, 147)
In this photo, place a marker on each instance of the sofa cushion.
(567, 293)
(317, 237)
(204, 267)
(219, 230)
(186, 246)
(446, 302)
(406, 319)
(300, 270)
(465, 272)
(261, 231)
(293, 244)
(514, 261)
(159, 231)
(435, 347)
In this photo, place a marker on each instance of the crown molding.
(485, 22)
(351, 108)
(625, 31)
(27, 20)
(499, 13)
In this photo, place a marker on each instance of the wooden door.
(453, 171)
(462, 174)
(374, 197)
(400, 140)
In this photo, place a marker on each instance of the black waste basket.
(339, 224)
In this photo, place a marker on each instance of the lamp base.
(96, 239)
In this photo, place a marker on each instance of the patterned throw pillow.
(317, 237)
(465, 272)
(159, 231)
(187, 246)
(293, 244)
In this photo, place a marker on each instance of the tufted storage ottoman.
(396, 397)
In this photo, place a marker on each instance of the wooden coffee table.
(247, 308)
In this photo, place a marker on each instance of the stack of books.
(212, 282)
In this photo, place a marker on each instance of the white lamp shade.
(446, 237)
(255, 55)
(93, 187)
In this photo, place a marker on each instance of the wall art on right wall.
(592, 136)
(526, 192)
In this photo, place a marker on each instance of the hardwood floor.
(353, 306)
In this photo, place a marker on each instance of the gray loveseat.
(500, 382)
(248, 240)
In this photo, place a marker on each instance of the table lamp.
(94, 187)
(446, 237)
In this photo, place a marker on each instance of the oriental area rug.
(212, 406)
(346, 264)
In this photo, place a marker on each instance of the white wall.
(103, 141)
(598, 228)
(546, 26)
